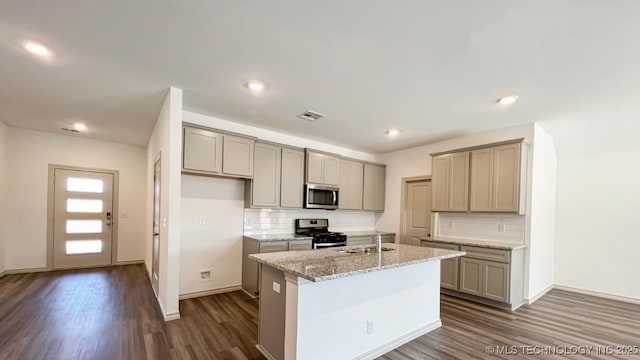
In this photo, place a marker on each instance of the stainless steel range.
(319, 230)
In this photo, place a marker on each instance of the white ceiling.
(430, 68)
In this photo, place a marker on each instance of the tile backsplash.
(280, 221)
(495, 227)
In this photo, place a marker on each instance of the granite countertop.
(278, 237)
(333, 263)
(365, 233)
(479, 243)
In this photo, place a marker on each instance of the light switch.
(124, 215)
(276, 287)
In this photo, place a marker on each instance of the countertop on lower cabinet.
(278, 237)
(365, 233)
(478, 243)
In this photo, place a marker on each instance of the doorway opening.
(415, 213)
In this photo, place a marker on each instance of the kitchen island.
(349, 302)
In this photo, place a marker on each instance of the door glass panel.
(84, 206)
(76, 247)
(85, 185)
(84, 226)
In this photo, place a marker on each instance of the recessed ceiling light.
(255, 85)
(507, 100)
(393, 132)
(36, 48)
(80, 126)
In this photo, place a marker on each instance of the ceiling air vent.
(310, 115)
(70, 130)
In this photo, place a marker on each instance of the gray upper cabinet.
(292, 179)
(210, 152)
(374, 187)
(322, 168)
(507, 178)
(237, 156)
(278, 179)
(202, 150)
(482, 180)
(266, 175)
(440, 166)
(450, 182)
(350, 182)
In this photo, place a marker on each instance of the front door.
(156, 227)
(83, 218)
(416, 209)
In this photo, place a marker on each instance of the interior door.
(155, 256)
(416, 212)
(83, 218)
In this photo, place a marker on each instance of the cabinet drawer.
(438, 245)
(388, 238)
(274, 246)
(367, 240)
(487, 254)
(299, 245)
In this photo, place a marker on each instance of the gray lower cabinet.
(492, 274)
(369, 239)
(296, 245)
(471, 276)
(251, 270)
(359, 240)
(448, 267)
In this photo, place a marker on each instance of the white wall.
(597, 222)
(543, 210)
(273, 136)
(416, 162)
(217, 244)
(3, 204)
(166, 140)
(28, 155)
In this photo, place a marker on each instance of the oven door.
(321, 197)
(329, 245)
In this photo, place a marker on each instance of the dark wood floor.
(111, 313)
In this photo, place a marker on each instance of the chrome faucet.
(378, 241)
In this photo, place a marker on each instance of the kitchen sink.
(363, 250)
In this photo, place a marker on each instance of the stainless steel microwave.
(321, 197)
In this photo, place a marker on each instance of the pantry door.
(83, 218)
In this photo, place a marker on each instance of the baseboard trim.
(399, 341)
(250, 295)
(265, 352)
(2, 273)
(539, 295)
(172, 316)
(597, 294)
(197, 294)
(129, 262)
(26, 271)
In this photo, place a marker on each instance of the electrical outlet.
(369, 326)
(201, 221)
(205, 275)
(124, 215)
(276, 287)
